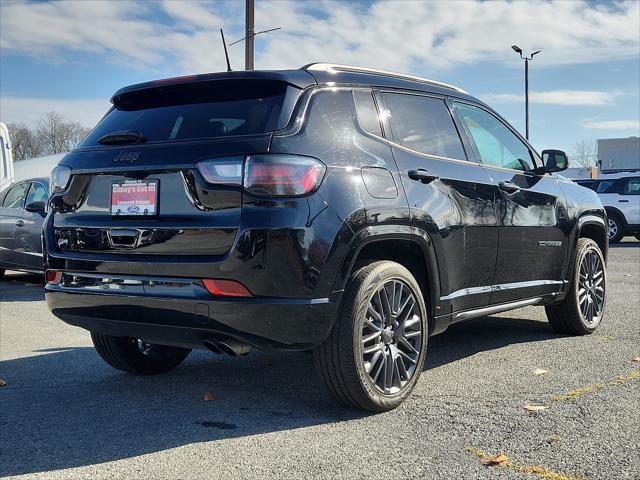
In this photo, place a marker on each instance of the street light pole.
(526, 59)
(249, 34)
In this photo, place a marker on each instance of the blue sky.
(71, 56)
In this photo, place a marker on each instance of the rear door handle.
(422, 175)
(623, 201)
(508, 187)
(19, 223)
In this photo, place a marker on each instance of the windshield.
(192, 111)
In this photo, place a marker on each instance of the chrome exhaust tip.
(234, 347)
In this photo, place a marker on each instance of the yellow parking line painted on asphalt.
(540, 472)
(578, 392)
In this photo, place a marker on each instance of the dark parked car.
(22, 211)
(349, 211)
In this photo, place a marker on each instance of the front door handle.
(19, 223)
(422, 175)
(623, 201)
(508, 187)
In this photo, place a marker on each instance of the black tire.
(616, 228)
(637, 238)
(124, 353)
(567, 317)
(340, 360)
(1, 273)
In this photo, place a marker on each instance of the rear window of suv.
(199, 110)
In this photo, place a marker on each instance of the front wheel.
(375, 353)
(135, 356)
(581, 311)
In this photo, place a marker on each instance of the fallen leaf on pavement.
(627, 274)
(497, 459)
(534, 408)
(208, 396)
(540, 371)
(2, 383)
(554, 438)
(636, 359)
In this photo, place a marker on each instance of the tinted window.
(368, 118)
(197, 110)
(37, 193)
(423, 124)
(15, 196)
(632, 187)
(604, 186)
(496, 143)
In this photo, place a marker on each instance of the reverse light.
(222, 170)
(226, 288)
(54, 277)
(282, 175)
(60, 177)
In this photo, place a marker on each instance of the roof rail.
(334, 67)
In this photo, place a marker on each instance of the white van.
(6, 158)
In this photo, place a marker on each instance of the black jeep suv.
(347, 211)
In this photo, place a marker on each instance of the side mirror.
(36, 207)
(554, 161)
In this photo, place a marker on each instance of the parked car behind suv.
(22, 212)
(620, 194)
(349, 211)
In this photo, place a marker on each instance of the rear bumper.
(181, 312)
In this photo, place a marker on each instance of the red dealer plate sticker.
(134, 198)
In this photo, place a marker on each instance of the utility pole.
(526, 59)
(249, 34)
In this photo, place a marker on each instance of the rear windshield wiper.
(122, 138)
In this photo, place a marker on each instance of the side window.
(497, 145)
(368, 118)
(632, 187)
(423, 124)
(603, 185)
(37, 193)
(15, 196)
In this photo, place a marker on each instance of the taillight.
(226, 288)
(275, 175)
(282, 175)
(222, 171)
(54, 277)
(59, 180)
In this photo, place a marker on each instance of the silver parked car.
(22, 211)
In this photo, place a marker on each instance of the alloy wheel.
(613, 228)
(392, 337)
(591, 288)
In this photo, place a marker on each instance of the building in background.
(618, 154)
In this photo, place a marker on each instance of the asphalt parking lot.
(65, 414)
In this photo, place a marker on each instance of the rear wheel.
(1, 273)
(136, 356)
(582, 309)
(375, 353)
(637, 238)
(616, 228)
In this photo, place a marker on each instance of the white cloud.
(30, 110)
(401, 35)
(614, 125)
(556, 97)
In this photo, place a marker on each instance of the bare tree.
(585, 154)
(25, 141)
(58, 135)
